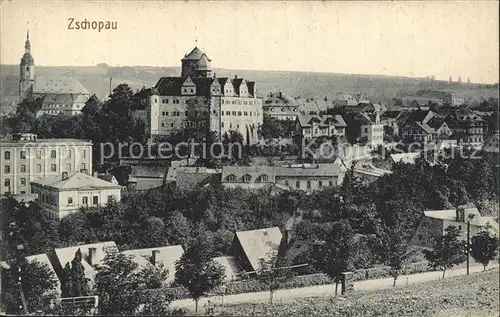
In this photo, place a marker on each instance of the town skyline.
(391, 41)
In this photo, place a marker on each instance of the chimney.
(92, 255)
(64, 176)
(154, 256)
(235, 76)
(280, 95)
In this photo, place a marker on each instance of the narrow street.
(326, 290)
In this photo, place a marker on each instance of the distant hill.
(321, 85)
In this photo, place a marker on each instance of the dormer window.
(231, 178)
(247, 178)
(262, 178)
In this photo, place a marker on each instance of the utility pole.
(468, 244)
(23, 305)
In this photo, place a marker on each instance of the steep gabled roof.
(167, 255)
(169, 86)
(58, 85)
(259, 244)
(66, 255)
(65, 98)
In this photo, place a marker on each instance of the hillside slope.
(380, 88)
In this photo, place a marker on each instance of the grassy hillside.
(380, 88)
(473, 295)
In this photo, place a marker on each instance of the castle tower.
(196, 64)
(27, 71)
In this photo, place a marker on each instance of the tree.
(273, 272)
(195, 270)
(73, 280)
(121, 284)
(448, 251)
(332, 254)
(37, 280)
(484, 248)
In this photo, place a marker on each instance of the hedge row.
(253, 285)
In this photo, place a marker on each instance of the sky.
(414, 39)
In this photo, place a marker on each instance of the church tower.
(27, 71)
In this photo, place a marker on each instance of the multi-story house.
(414, 127)
(280, 107)
(467, 128)
(391, 119)
(63, 103)
(197, 100)
(306, 177)
(24, 159)
(453, 99)
(61, 195)
(314, 126)
(345, 100)
(371, 130)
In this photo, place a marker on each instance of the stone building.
(59, 94)
(200, 101)
(24, 159)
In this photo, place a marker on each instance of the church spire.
(27, 45)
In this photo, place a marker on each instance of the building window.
(459, 227)
(22, 155)
(6, 182)
(68, 167)
(95, 200)
(308, 184)
(286, 183)
(70, 200)
(231, 178)
(228, 113)
(39, 168)
(330, 183)
(110, 198)
(247, 178)
(6, 169)
(222, 124)
(84, 153)
(23, 181)
(85, 200)
(6, 155)
(53, 154)
(163, 124)
(23, 168)
(38, 154)
(69, 154)
(163, 113)
(166, 113)
(53, 167)
(234, 113)
(262, 178)
(297, 184)
(320, 184)
(245, 113)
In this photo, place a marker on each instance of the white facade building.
(63, 194)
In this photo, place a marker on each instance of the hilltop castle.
(199, 100)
